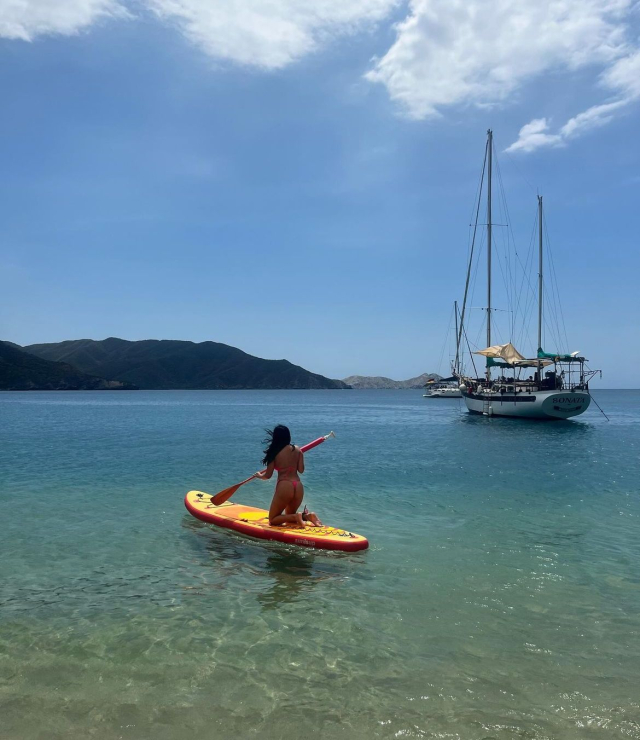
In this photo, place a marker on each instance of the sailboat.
(445, 387)
(551, 385)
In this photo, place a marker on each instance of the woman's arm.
(267, 473)
(300, 461)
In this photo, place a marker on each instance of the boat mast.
(490, 153)
(539, 280)
(455, 310)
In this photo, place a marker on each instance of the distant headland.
(152, 364)
(365, 382)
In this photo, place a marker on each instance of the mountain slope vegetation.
(21, 371)
(154, 364)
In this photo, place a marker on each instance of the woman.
(288, 460)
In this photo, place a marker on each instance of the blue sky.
(300, 184)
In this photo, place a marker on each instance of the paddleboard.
(255, 523)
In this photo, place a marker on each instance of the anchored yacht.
(551, 385)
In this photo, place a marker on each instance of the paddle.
(225, 495)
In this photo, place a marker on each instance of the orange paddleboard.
(255, 523)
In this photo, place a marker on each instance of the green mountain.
(20, 371)
(169, 364)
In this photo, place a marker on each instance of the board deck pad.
(254, 522)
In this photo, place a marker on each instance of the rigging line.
(473, 241)
(474, 279)
(555, 278)
(528, 316)
(530, 296)
(528, 280)
(512, 235)
(526, 271)
(524, 177)
(554, 328)
(480, 331)
(553, 301)
(529, 257)
(473, 362)
(524, 309)
(503, 203)
(598, 405)
(553, 295)
(444, 344)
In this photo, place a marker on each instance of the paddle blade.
(223, 496)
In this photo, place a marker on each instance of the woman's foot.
(300, 520)
(311, 516)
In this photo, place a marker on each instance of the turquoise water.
(500, 597)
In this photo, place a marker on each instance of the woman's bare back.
(289, 462)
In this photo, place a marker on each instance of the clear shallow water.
(500, 597)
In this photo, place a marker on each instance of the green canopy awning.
(542, 355)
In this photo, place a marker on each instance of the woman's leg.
(295, 501)
(283, 501)
(295, 505)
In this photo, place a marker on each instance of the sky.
(297, 179)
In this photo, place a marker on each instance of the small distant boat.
(554, 385)
(444, 388)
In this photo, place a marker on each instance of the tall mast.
(539, 274)
(455, 310)
(490, 156)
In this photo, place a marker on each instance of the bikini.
(288, 480)
(293, 481)
(284, 471)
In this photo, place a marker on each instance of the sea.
(499, 599)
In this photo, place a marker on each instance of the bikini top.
(289, 469)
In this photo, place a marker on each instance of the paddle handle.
(317, 442)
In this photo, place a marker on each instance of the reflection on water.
(527, 427)
(292, 574)
(286, 573)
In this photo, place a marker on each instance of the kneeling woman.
(288, 461)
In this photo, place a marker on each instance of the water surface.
(500, 597)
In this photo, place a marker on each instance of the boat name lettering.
(309, 543)
(568, 399)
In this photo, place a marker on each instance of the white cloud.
(533, 135)
(452, 52)
(622, 77)
(446, 53)
(264, 33)
(26, 19)
(267, 33)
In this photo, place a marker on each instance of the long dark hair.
(276, 440)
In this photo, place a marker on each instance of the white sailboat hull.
(529, 405)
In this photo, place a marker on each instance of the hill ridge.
(166, 364)
(22, 371)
